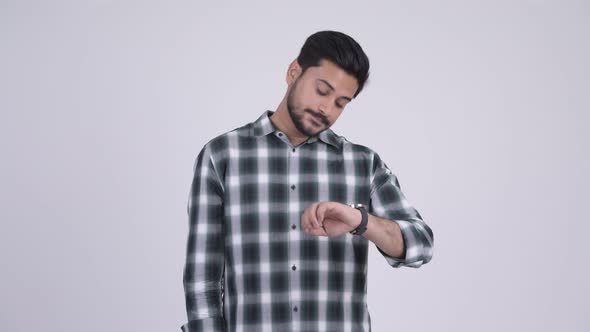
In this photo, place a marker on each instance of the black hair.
(338, 48)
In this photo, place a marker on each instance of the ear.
(293, 72)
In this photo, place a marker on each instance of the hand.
(329, 219)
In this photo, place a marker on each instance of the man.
(281, 210)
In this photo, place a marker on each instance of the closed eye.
(342, 102)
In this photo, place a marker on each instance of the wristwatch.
(364, 219)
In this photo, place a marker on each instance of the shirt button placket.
(295, 211)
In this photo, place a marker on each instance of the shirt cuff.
(410, 257)
(213, 324)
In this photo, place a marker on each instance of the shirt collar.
(263, 126)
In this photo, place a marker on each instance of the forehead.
(343, 82)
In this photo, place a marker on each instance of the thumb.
(320, 213)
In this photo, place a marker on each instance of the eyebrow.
(332, 88)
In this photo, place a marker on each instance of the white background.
(478, 107)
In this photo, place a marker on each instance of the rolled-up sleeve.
(388, 201)
(203, 271)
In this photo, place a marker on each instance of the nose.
(324, 110)
(322, 117)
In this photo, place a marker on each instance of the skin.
(314, 100)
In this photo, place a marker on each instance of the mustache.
(318, 116)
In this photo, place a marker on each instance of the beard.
(297, 117)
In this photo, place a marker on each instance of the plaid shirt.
(250, 267)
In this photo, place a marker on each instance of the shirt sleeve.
(204, 267)
(388, 201)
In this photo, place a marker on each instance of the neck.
(282, 121)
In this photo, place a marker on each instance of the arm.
(203, 270)
(386, 235)
(393, 217)
(395, 227)
(336, 219)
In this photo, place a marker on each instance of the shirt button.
(293, 267)
(280, 134)
(293, 187)
(294, 150)
(293, 226)
(295, 309)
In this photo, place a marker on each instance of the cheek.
(300, 98)
(306, 99)
(334, 117)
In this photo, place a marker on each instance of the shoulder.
(357, 149)
(220, 145)
(363, 154)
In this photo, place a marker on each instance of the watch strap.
(362, 227)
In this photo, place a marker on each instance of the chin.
(318, 131)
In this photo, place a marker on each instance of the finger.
(316, 231)
(320, 213)
(314, 222)
(308, 217)
(305, 219)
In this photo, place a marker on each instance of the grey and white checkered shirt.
(250, 267)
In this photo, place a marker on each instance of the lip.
(315, 121)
